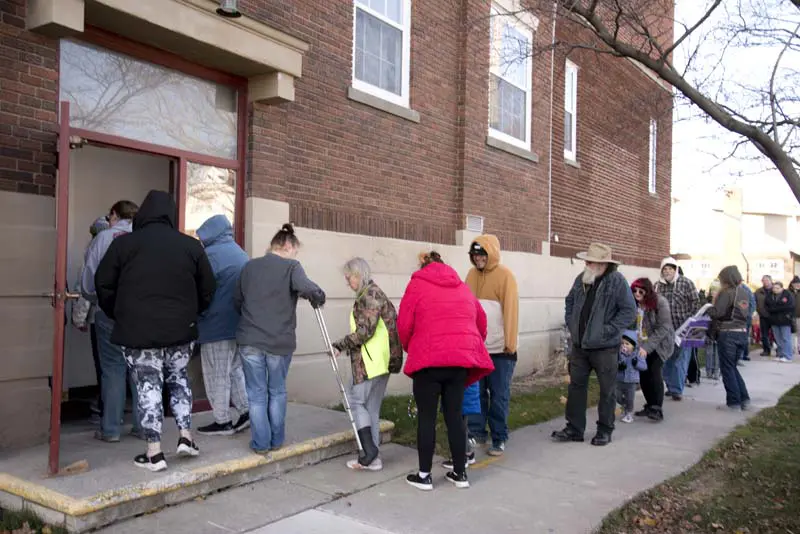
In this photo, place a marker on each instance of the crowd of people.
(151, 295)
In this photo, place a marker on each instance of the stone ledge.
(512, 149)
(381, 104)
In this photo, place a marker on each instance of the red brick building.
(358, 120)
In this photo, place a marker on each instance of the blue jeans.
(265, 382)
(495, 397)
(729, 345)
(675, 369)
(783, 337)
(114, 372)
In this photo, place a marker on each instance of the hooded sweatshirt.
(681, 294)
(496, 288)
(220, 320)
(155, 281)
(442, 324)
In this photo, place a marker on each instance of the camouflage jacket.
(371, 305)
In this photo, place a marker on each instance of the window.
(651, 174)
(382, 49)
(571, 111)
(510, 78)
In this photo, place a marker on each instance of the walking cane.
(332, 353)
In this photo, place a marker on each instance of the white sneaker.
(627, 418)
(355, 465)
(784, 360)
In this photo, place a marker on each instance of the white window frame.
(526, 24)
(403, 98)
(653, 152)
(571, 72)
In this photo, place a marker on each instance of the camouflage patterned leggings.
(151, 368)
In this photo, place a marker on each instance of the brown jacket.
(497, 283)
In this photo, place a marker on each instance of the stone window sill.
(381, 104)
(511, 149)
(572, 163)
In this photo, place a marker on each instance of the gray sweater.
(266, 297)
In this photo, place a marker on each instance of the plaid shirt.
(682, 297)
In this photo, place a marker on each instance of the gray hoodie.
(266, 296)
(94, 254)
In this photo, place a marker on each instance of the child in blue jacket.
(471, 405)
(630, 363)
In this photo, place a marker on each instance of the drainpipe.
(550, 159)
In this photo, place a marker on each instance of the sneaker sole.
(217, 433)
(154, 467)
(245, 426)
(469, 462)
(495, 454)
(459, 484)
(422, 487)
(187, 452)
(355, 466)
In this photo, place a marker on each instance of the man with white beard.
(599, 307)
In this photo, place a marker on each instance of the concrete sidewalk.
(537, 487)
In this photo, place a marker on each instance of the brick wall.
(28, 100)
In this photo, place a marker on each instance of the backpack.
(740, 310)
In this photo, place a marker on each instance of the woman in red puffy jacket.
(442, 327)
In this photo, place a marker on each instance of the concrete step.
(113, 488)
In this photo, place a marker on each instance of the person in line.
(763, 314)
(745, 354)
(711, 351)
(154, 282)
(113, 369)
(374, 348)
(598, 308)
(83, 312)
(683, 299)
(496, 288)
(442, 327)
(266, 298)
(223, 376)
(630, 363)
(729, 325)
(655, 341)
(471, 406)
(794, 288)
(780, 305)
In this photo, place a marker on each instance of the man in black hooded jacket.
(153, 283)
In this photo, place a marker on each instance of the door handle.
(61, 296)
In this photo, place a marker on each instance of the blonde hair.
(426, 258)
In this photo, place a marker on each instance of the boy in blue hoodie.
(628, 375)
(471, 405)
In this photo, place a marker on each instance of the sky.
(699, 145)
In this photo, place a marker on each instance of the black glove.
(317, 299)
(635, 362)
(622, 366)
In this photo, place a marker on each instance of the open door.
(59, 296)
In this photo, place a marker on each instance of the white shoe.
(376, 465)
(627, 418)
(784, 360)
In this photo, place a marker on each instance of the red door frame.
(147, 53)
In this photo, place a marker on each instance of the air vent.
(475, 223)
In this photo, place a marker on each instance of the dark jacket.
(731, 310)
(761, 302)
(780, 308)
(613, 311)
(220, 320)
(657, 327)
(154, 281)
(796, 294)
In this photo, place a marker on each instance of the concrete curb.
(80, 515)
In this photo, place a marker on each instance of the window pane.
(507, 108)
(394, 10)
(514, 57)
(381, 48)
(378, 6)
(115, 94)
(209, 191)
(568, 132)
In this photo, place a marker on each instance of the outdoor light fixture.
(227, 8)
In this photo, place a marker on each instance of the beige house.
(757, 229)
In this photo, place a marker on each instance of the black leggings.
(652, 381)
(429, 385)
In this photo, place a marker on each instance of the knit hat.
(796, 280)
(477, 250)
(100, 224)
(629, 336)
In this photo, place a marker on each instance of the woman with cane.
(442, 326)
(375, 351)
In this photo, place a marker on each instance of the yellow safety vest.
(375, 352)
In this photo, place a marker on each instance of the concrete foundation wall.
(543, 283)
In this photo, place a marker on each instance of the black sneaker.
(156, 463)
(424, 484)
(644, 412)
(242, 423)
(460, 481)
(187, 448)
(448, 464)
(677, 397)
(565, 436)
(216, 429)
(601, 439)
(656, 415)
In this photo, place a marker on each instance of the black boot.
(370, 450)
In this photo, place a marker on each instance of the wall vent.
(475, 223)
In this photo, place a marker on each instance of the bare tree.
(762, 111)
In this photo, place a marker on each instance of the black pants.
(96, 358)
(765, 328)
(429, 385)
(652, 382)
(604, 364)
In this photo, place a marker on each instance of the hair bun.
(288, 228)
